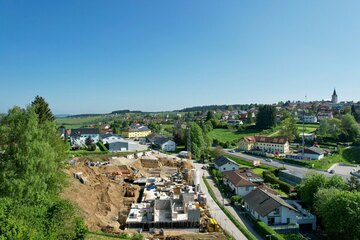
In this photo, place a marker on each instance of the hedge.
(102, 147)
(265, 230)
(295, 162)
(271, 178)
(241, 227)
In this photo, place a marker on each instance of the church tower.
(334, 97)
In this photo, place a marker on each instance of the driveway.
(215, 210)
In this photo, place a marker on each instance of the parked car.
(268, 159)
(332, 171)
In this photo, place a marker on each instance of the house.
(78, 136)
(242, 181)
(291, 177)
(269, 208)
(235, 122)
(110, 137)
(115, 145)
(313, 153)
(308, 136)
(137, 131)
(162, 142)
(224, 164)
(324, 115)
(247, 143)
(307, 118)
(265, 144)
(165, 144)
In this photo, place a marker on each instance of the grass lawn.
(309, 128)
(103, 236)
(77, 122)
(258, 171)
(225, 135)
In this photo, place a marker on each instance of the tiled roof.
(236, 179)
(314, 150)
(264, 202)
(81, 131)
(223, 160)
(277, 140)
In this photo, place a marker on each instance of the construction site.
(150, 192)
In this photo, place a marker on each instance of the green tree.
(316, 181)
(266, 117)
(339, 212)
(350, 129)
(353, 184)
(289, 128)
(354, 113)
(324, 128)
(32, 161)
(42, 109)
(31, 176)
(197, 140)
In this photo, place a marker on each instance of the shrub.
(265, 230)
(271, 178)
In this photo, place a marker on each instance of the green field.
(224, 135)
(309, 128)
(77, 122)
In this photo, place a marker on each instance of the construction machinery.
(212, 225)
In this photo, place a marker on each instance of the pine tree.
(42, 109)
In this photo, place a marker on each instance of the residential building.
(308, 136)
(105, 138)
(115, 145)
(307, 118)
(78, 136)
(247, 143)
(324, 115)
(269, 208)
(161, 142)
(224, 164)
(265, 144)
(137, 132)
(235, 122)
(242, 181)
(313, 153)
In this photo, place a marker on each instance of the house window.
(224, 169)
(277, 211)
(247, 188)
(288, 220)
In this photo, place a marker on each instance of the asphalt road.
(215, 210)
(303, 170)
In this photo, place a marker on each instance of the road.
(215, 210)
(278, 164)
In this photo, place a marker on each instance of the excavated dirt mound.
(101, 198)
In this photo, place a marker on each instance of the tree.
(210, 115)
(353, 184)
(197, 140)
(42, 109)
(350, 130)
(324, 128)
(156, 128)
(33, 153)
(316, 181)
(266, 117)
(289, 128)
(339, 212)
(32, 176)
(354, 113)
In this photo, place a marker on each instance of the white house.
(78, 136)
(308, 118)
(224, 164)
(167, 145)
(269, 208)
(241, 181)
(313, 153)
(106, 138)
(308, 136)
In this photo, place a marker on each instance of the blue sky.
(97, 56)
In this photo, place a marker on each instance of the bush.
(102, 147)
(92, 147)
(266, 230)
(271, 178)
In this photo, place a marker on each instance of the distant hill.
(218, 107)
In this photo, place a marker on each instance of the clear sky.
(88, 56)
